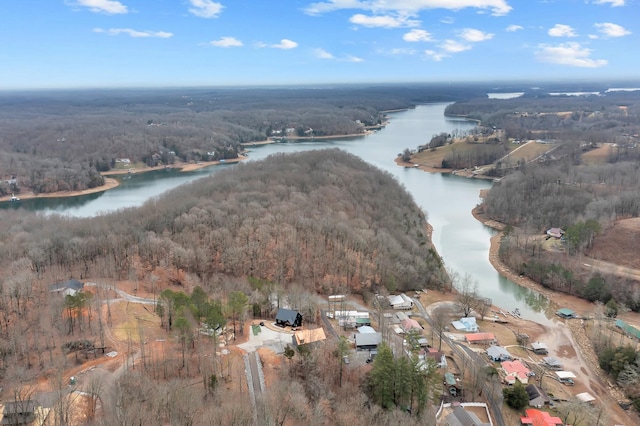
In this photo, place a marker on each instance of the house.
(361, 322)
(566, 313)
(480, 338)
(287, 317)
(565, 377)
(20, 412)
(400, 316)
(539, 348)
(515, 370)
(368, 341)
(303, 337)
(537, 397)
(552, 363)
(451, 383)
(438, 357)
(69, 287)
(401, 301)
(467, 324)
(410, 324)
(461, 417)
(555, 232)
(498, 353)
(539, 418)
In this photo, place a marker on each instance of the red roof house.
(484, 338)
(539, 418)
(515, 370)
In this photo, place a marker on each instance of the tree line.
(59, 141)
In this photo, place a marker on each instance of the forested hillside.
(324, 219)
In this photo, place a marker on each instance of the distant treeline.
(609, 117)
(53, 141)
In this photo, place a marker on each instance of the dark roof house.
(537, 397)
(461, 417)
(67, 287)
(287, 317)
(19, 412)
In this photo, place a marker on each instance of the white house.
(400, 301)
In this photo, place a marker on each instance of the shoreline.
(111, 182)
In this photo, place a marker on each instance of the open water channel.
(447, 200)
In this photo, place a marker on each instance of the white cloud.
(436, 56)
(474, 36)
(571, 54)
(561, 30)
(133, 33)
(497, 7)
(453, 46)
(384, 21)
(400, 51)
(351, 58)
(447, 20)
(322, 54)
(284, 44)
(205, 8)
(417, 35)
(608, 29)
(513, 28)
(613, 3)
(226, 42)
(110, 7)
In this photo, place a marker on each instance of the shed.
(366, 329)
(565, 375)
(498, 353)
(451, 383)
(555, 232)
(539, 348)
(552, 363)
(287, 317)
(566, 313)
(368, 341)
(537, 397)
(585, 397)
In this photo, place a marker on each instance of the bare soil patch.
(619, 244)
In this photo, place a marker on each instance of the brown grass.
(619, 244)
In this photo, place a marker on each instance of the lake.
(447, 200)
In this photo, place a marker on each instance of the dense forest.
(59, 141)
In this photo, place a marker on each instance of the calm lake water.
(447, 200)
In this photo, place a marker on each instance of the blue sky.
(148, 43)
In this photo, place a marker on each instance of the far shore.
(110, 183)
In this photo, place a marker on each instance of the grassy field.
(598, 155)
(526, 152)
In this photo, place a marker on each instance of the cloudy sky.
(121, 43)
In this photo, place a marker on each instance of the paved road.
(124, 296)
(466, 354)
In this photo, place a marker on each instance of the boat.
(14, 198)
